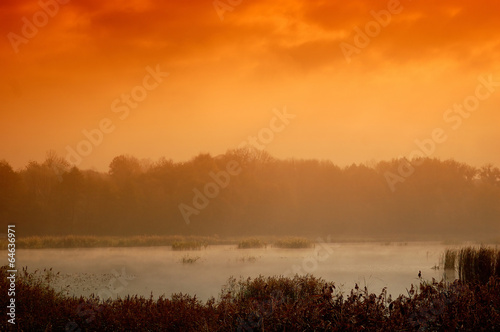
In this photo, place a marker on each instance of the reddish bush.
(270, 304)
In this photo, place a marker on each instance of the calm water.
(159, 270)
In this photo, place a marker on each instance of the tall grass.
(188, 245)
(178, 242)
(293, 243)
(251, 243)
(478, 264)
(189, 260)
(301, 303)
(497, 264)
(450, 259)
(84, 241)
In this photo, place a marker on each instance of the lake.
(160, 270)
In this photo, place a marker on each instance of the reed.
(497, 264)
(90, 241)
(299, 303)
(251, 243)
(450, 259)
(189, 260)
(478, 264)
(293, 243)
(249, 259)
(188, 245)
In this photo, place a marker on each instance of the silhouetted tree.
(269, 196)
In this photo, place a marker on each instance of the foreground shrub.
(301, 303)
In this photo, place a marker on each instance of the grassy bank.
(89, 241)
(270, 304)
(251, 243)
(81, 241)
(178, 242)
(189, 245)
(293, 243)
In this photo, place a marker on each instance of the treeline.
(248, 192)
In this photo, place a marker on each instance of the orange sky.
(226, 77)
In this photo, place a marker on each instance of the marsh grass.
(277, 303)
(293, 243)
(82, 241)
(188, 245)
(478, 264)
(497, 264)
(249, 259)
(251, 243)
(178, 242)
(450, 259)
(287, 289)
(189, 260)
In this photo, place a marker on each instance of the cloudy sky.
(360, 90)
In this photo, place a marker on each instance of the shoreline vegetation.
(177, 242)
(273, 303)
(181, 242)
(473, 263)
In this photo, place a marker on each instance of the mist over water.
(159, 270)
